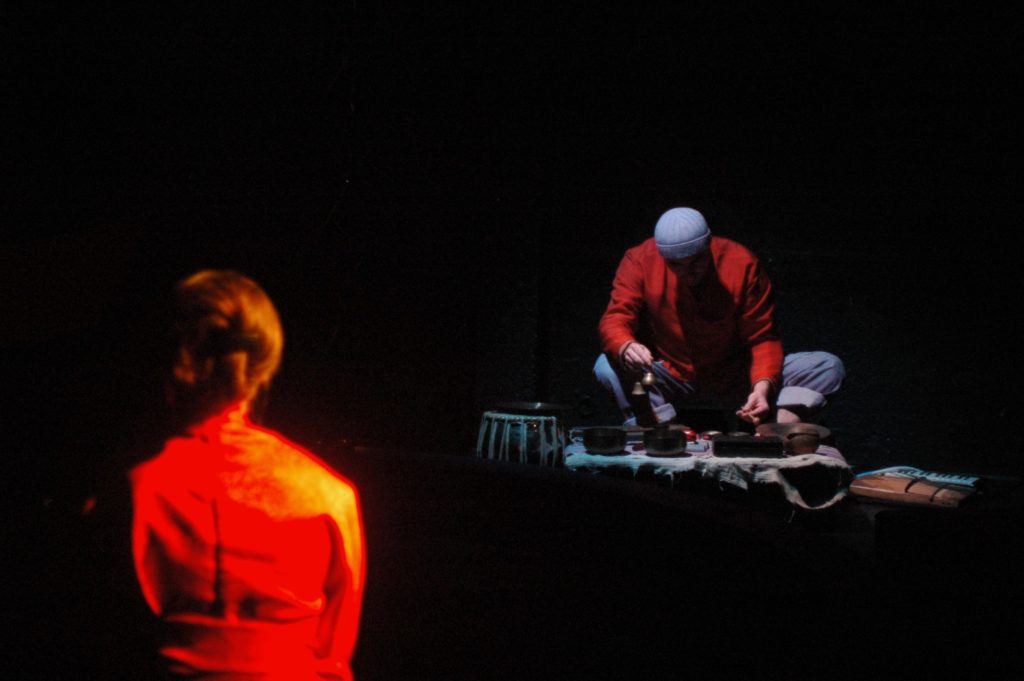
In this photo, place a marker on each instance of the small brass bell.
(641, 386)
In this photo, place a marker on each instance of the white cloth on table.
(740, 472)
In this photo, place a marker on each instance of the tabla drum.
(526, 433)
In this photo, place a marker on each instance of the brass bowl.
(783, 430)
(604, 440)
(665, 442)
(798, 438)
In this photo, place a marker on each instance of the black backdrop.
(437, 196)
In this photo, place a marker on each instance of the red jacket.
(719, 335)
(250, 551)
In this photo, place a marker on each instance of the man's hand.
(757, 405)
(636, 357)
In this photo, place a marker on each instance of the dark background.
(436, 196)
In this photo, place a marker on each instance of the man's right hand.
(636, 357)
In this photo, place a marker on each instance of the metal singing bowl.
(665, 442)
(604, 440)
(785, 430)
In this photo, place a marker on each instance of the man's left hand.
(757, 405)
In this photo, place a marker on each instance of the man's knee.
(820, 371)
(832, 372)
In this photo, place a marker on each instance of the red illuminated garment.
(251, 553)
(719, 335)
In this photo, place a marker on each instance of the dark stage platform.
(488, 570)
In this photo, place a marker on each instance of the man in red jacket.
(697, 312)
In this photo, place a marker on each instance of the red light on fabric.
(251, 551)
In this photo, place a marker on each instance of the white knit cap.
(680, 233)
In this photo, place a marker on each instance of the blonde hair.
(229, 341)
